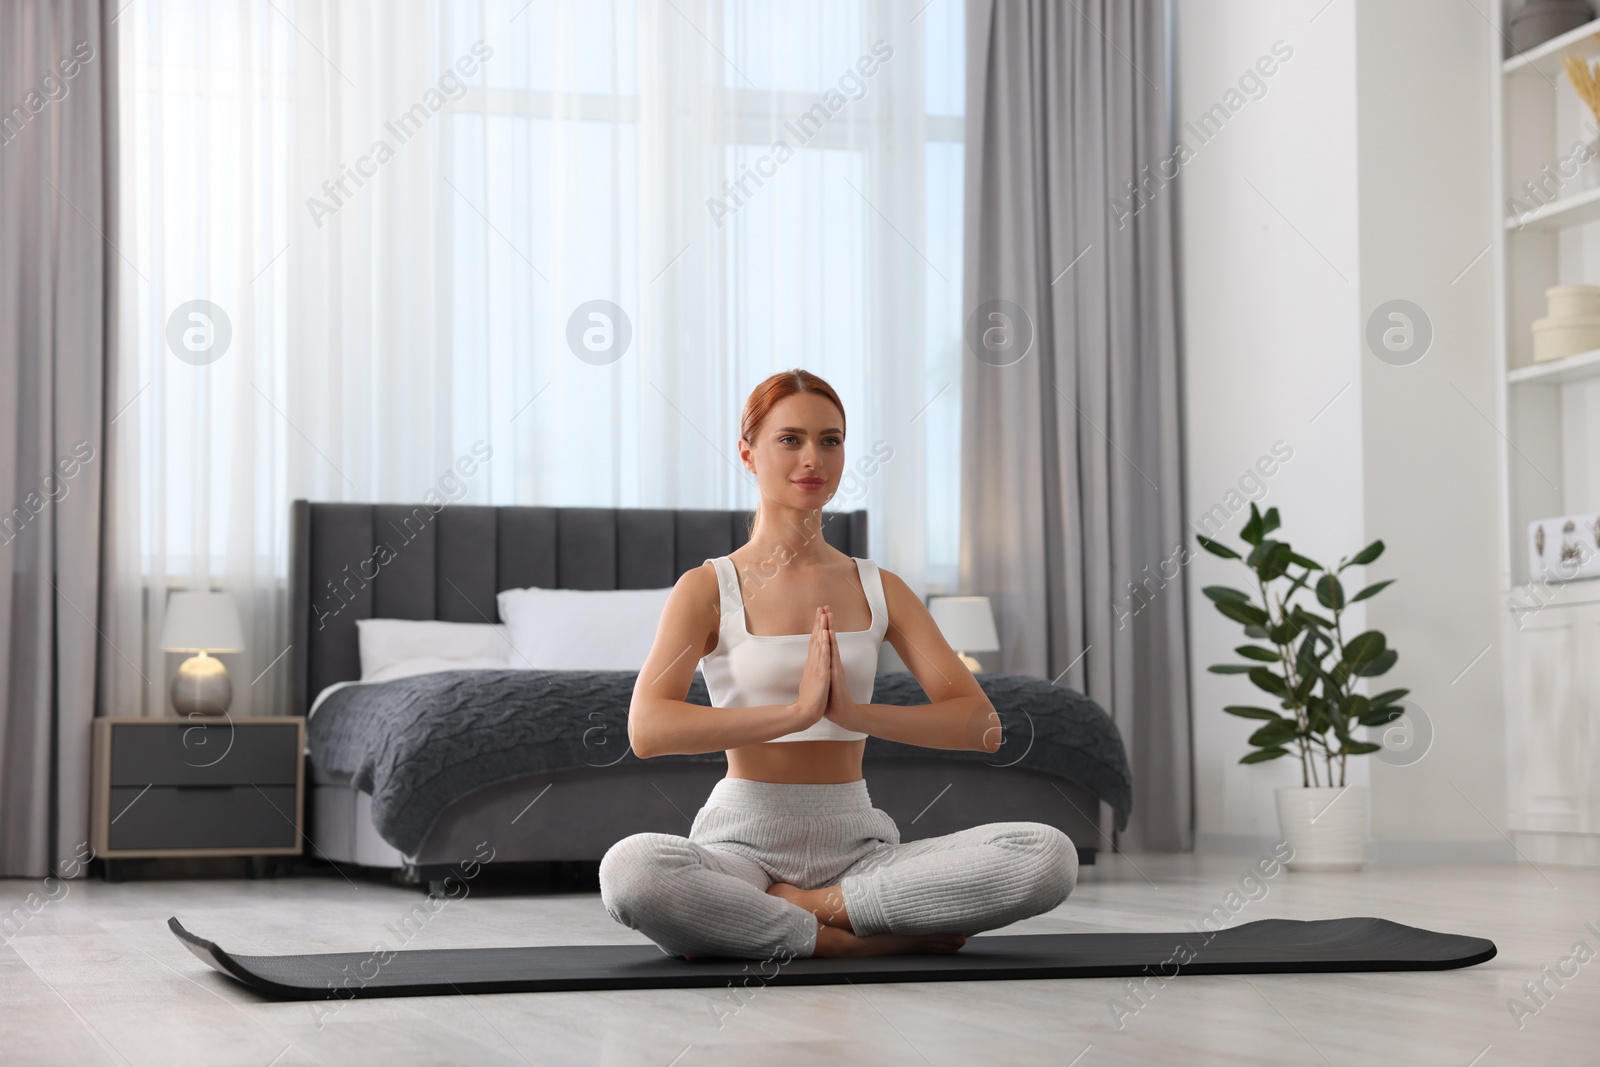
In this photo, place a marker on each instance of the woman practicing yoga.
(788, 856)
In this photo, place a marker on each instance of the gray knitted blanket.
(419, 744)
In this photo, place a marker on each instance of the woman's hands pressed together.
(817, 674)
(824, 689)
(842, 707)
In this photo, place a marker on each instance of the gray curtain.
(56, 120)
(1071, 471)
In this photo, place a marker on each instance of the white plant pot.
(1326, 826)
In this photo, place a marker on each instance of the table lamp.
(967, 623)
(202, 623)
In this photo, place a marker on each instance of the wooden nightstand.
(198, 786)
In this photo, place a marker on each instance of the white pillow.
(581, 629)
(427, 665)
(395, 648)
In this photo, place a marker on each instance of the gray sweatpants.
(705, 894)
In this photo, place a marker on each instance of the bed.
(422, 775)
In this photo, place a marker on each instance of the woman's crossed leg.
(696, 900)
(967, 881)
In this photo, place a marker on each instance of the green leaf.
(1240, 612)
(1330, 594)
(1270, 521)
(1269, 682)
(1247, 712)
(1358, 748)
(1388, 696)
(1252, 532)
(1271, 560)
(1339, 726)
(1257, 632)
(1220, 593)
(1273, 733)
(1259, 552)
(1362, 647)
(1366, 555)
(1296, 623)
(1309, 564)
(1374, 667)
(1371, 589)
(1317, 715)
(1264, 754)
(1231, 668)
(1382, 716)
(1311, 616)
(1259, 654)
(1308, 660)
(1216, 548)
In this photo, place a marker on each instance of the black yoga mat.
(1265, 946)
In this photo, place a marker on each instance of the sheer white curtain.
(427, 228)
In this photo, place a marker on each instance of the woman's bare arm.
(660, 721)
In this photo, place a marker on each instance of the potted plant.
(1317, 708)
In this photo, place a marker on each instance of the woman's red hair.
(784, 384)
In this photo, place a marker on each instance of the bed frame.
(447, 562)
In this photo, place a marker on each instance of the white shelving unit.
(1550, 459)
(1560, 214)
(1558, 371)
(1545, 61)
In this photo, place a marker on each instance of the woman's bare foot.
(835, 942)
(827, 903)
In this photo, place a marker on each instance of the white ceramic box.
(1564, 548)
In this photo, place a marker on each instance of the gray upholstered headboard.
(410, 561)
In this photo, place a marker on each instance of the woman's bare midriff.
(797, 761)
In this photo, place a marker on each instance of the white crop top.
(748, 670)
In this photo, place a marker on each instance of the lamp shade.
(967, 622)
(202, 622)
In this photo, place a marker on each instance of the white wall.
(1268, 338)
(1360, 174)
(1427, 217)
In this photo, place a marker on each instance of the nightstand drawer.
(177, 817)
(196, 752)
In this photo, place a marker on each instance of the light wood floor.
(95, 977)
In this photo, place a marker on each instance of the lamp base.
(972, 664)
(201, 687)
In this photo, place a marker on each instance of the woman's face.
(798, 453)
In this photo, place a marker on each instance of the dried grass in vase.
(1584, 82)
